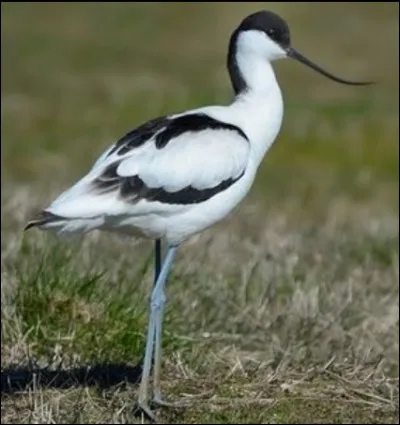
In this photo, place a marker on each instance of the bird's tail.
(42, 219)
(58, 224)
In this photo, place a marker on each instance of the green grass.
(285, 312)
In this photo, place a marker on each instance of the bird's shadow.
(18, 380)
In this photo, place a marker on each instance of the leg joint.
(157, 299)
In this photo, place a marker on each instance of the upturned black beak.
(294, 54)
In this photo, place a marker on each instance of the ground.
(285, 312)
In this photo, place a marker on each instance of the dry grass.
(304, 326)
(287, 312)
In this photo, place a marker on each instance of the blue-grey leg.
(156, 304)
(157, 396)
(158, 330)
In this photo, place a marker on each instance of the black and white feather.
(174, 160)
(163, 167)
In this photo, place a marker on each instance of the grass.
(286, 312)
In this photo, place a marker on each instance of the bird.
(176, 175)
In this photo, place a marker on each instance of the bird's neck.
(258, 103)
(250, 72)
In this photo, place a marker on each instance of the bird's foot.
(159, 401)
(144, 407)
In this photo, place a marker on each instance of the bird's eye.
(271, 31)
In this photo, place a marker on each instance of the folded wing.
(180, 160)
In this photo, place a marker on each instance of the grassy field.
(286, 312)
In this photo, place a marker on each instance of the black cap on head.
(269, 23)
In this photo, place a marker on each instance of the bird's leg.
(157, 352)
(157, 397)
(157, 257)
(156, 304)
(158, 330)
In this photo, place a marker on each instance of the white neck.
(257, 74)
(259, 105)
(249, 62)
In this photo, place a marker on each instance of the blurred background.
(77, 76)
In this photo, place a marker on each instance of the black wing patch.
(133, 188)
(192, 123)
(164, 129)
(139, 136)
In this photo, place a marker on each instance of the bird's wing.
(183, 159)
